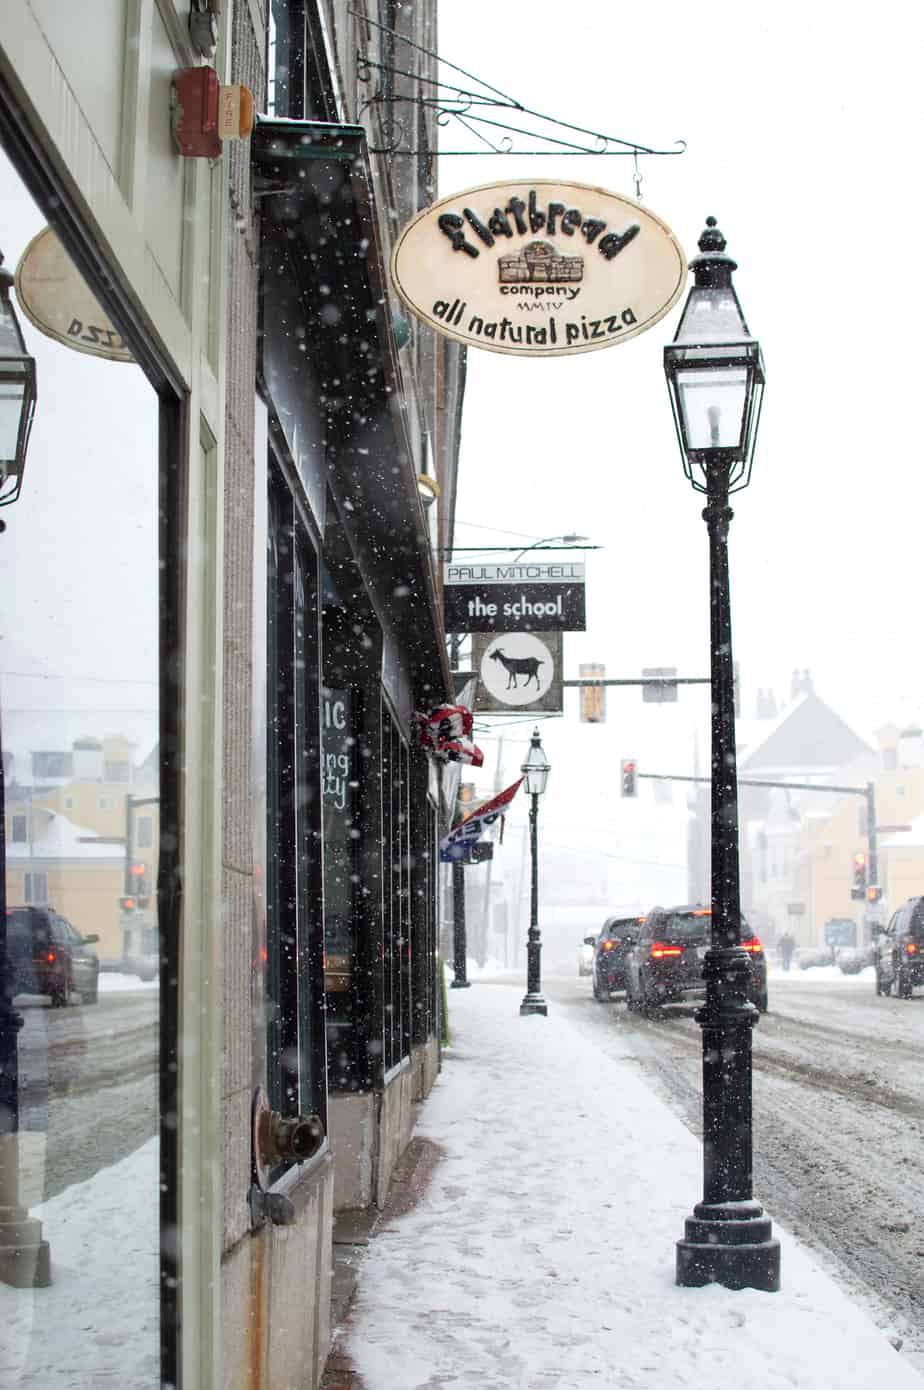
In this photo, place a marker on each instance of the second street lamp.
(535, 771)
(715, 375)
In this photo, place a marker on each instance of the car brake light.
(660, 950)
(753, 945)
(50, 957)
(911, 948)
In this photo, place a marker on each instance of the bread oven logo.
(539, 261)
(538, 268)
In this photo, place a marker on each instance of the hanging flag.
(455, 845)
(446, 734)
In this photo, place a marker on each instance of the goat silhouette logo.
(518, 669)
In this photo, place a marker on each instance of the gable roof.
(807, 734)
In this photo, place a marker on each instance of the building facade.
(222, 614)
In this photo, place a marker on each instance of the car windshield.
(687, 926)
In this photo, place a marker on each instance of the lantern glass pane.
(12, 395)
(712, 315)
(11, 342)
(712, 406)
(536, 779)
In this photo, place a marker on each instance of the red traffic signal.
(628, 776)
(858, 891)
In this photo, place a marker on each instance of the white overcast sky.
(79, 599)
(803, 125)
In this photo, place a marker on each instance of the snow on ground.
(113, 981)
(822, 975)
(542, 1257)
(97, 1325)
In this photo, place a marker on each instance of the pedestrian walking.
(787, 945)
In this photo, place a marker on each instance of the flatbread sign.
(55, 297)
(538, 269)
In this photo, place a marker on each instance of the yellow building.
(81, 833)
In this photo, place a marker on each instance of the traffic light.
(138, 876)
(593, 697)
(127, 903)
(629, 772)
(873, 893)
(858, 891)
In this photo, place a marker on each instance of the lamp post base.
(461, 984)
(729, 1244)
(534, 1004)
(25, 1259)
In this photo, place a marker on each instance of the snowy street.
(838, 1118)
(542, 1254)
(88, 1085)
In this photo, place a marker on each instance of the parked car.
(808, 956)
(611, 946)
(899, 959)
(852, 959)
(586, 956)
(665, 965)
(48, 956)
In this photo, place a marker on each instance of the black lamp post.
(535, 771)
(715, 375)
(17, 395)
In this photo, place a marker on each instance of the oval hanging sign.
(55, 297)
(538, 268)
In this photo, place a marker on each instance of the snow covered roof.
(60, 838)
(806, 734)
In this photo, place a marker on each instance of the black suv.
(610, 948)
(665, 965)
(899, 960)
(46, 955)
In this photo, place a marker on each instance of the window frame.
(296, 1068)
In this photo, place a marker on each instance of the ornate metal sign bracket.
(473, 113)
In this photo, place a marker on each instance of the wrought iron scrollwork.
(458, 107)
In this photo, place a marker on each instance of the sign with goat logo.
(538, 268)
(518, 670)
(516, 597)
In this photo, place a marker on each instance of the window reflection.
(79, 647)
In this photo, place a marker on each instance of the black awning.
(330, 367)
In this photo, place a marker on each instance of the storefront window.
(341, 852)
(294, 912)
(397, 892)
(81, 1276)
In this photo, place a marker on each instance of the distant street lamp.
(715, 375)
(535, 771)
(17, 395)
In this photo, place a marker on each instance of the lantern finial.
(712, 239)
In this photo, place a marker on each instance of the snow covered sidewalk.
(542, 1255)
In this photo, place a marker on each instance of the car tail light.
(753, 945)
(911, 948)
(660, 950)
(50, 957)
